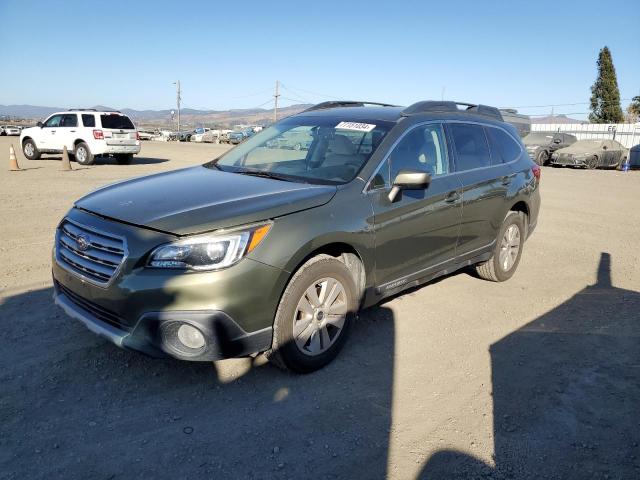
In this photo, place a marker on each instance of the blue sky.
(229, 54)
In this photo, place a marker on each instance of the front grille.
(93, 255)
(97, 311)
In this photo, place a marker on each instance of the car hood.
(27, 131)
(201, 199)
(575, 149)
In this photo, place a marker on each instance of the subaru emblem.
(83, 242)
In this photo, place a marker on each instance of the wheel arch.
(522, 206)
(343, 251)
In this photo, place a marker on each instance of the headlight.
(210, 252)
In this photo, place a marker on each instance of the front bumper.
(234, 307)
(224, 338)
(569, 161)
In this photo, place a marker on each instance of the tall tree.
(605, 95)
(634, 109)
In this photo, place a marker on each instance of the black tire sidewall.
(291, 355)
(592, 163)
(36, 153)
(514, 218)
(88, 158)
(542, 158)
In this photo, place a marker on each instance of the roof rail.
(344, 103)
(429, 106)
(82, 110)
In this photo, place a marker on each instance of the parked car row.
(563, 149)
(10, 130)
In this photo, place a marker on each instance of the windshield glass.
(537, 138)
(313, 150)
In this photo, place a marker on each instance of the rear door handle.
(72, 131)
(452, 197)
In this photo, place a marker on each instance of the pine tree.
(605, 95)
(634, 109)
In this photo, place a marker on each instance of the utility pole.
(275, 96)
(178, 98)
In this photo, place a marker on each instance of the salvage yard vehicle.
(87, 134)
(275, 250)
(591, 154)
(541, 145)
(11, 130)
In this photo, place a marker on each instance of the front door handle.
(452, 197)
(72, 131)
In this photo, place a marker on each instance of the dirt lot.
(535, 378)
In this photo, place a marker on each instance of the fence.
(628, 134)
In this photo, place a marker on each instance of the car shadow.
(565, 393)
(75, 406)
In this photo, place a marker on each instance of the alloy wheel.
(509, 248)
(320, 316)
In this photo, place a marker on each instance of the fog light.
(191, 337)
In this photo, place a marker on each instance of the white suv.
(87, 134)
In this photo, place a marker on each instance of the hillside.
(189, 117)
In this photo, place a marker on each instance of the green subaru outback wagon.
(275, 246)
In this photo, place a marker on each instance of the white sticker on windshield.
(358, 127)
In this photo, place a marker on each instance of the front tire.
(314, 316)
(592, 162)
(542, 158)
(30, 150)
(507, 252)
(83, 154)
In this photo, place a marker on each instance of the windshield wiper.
(261, 173)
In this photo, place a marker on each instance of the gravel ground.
(538, 377)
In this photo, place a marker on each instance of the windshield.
(313, 150)
(537, 138)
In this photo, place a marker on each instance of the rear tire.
(320, 327)
(124, 158)
(30, 150)
(507, 251)
(83, 154)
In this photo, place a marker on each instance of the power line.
(299, 97)
(324, 95)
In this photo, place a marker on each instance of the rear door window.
(69, 120)
(472, 150)
(504, 148)
(88, 120)
(116, 121)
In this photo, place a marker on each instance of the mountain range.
(159, 117)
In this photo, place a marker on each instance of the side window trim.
(385, 159)
(447, 122)
(52, 117)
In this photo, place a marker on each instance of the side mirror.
(604, 147)
(557, 140)
(409, 180)
(39, 124)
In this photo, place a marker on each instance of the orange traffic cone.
(13, 161)
(66, 164)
